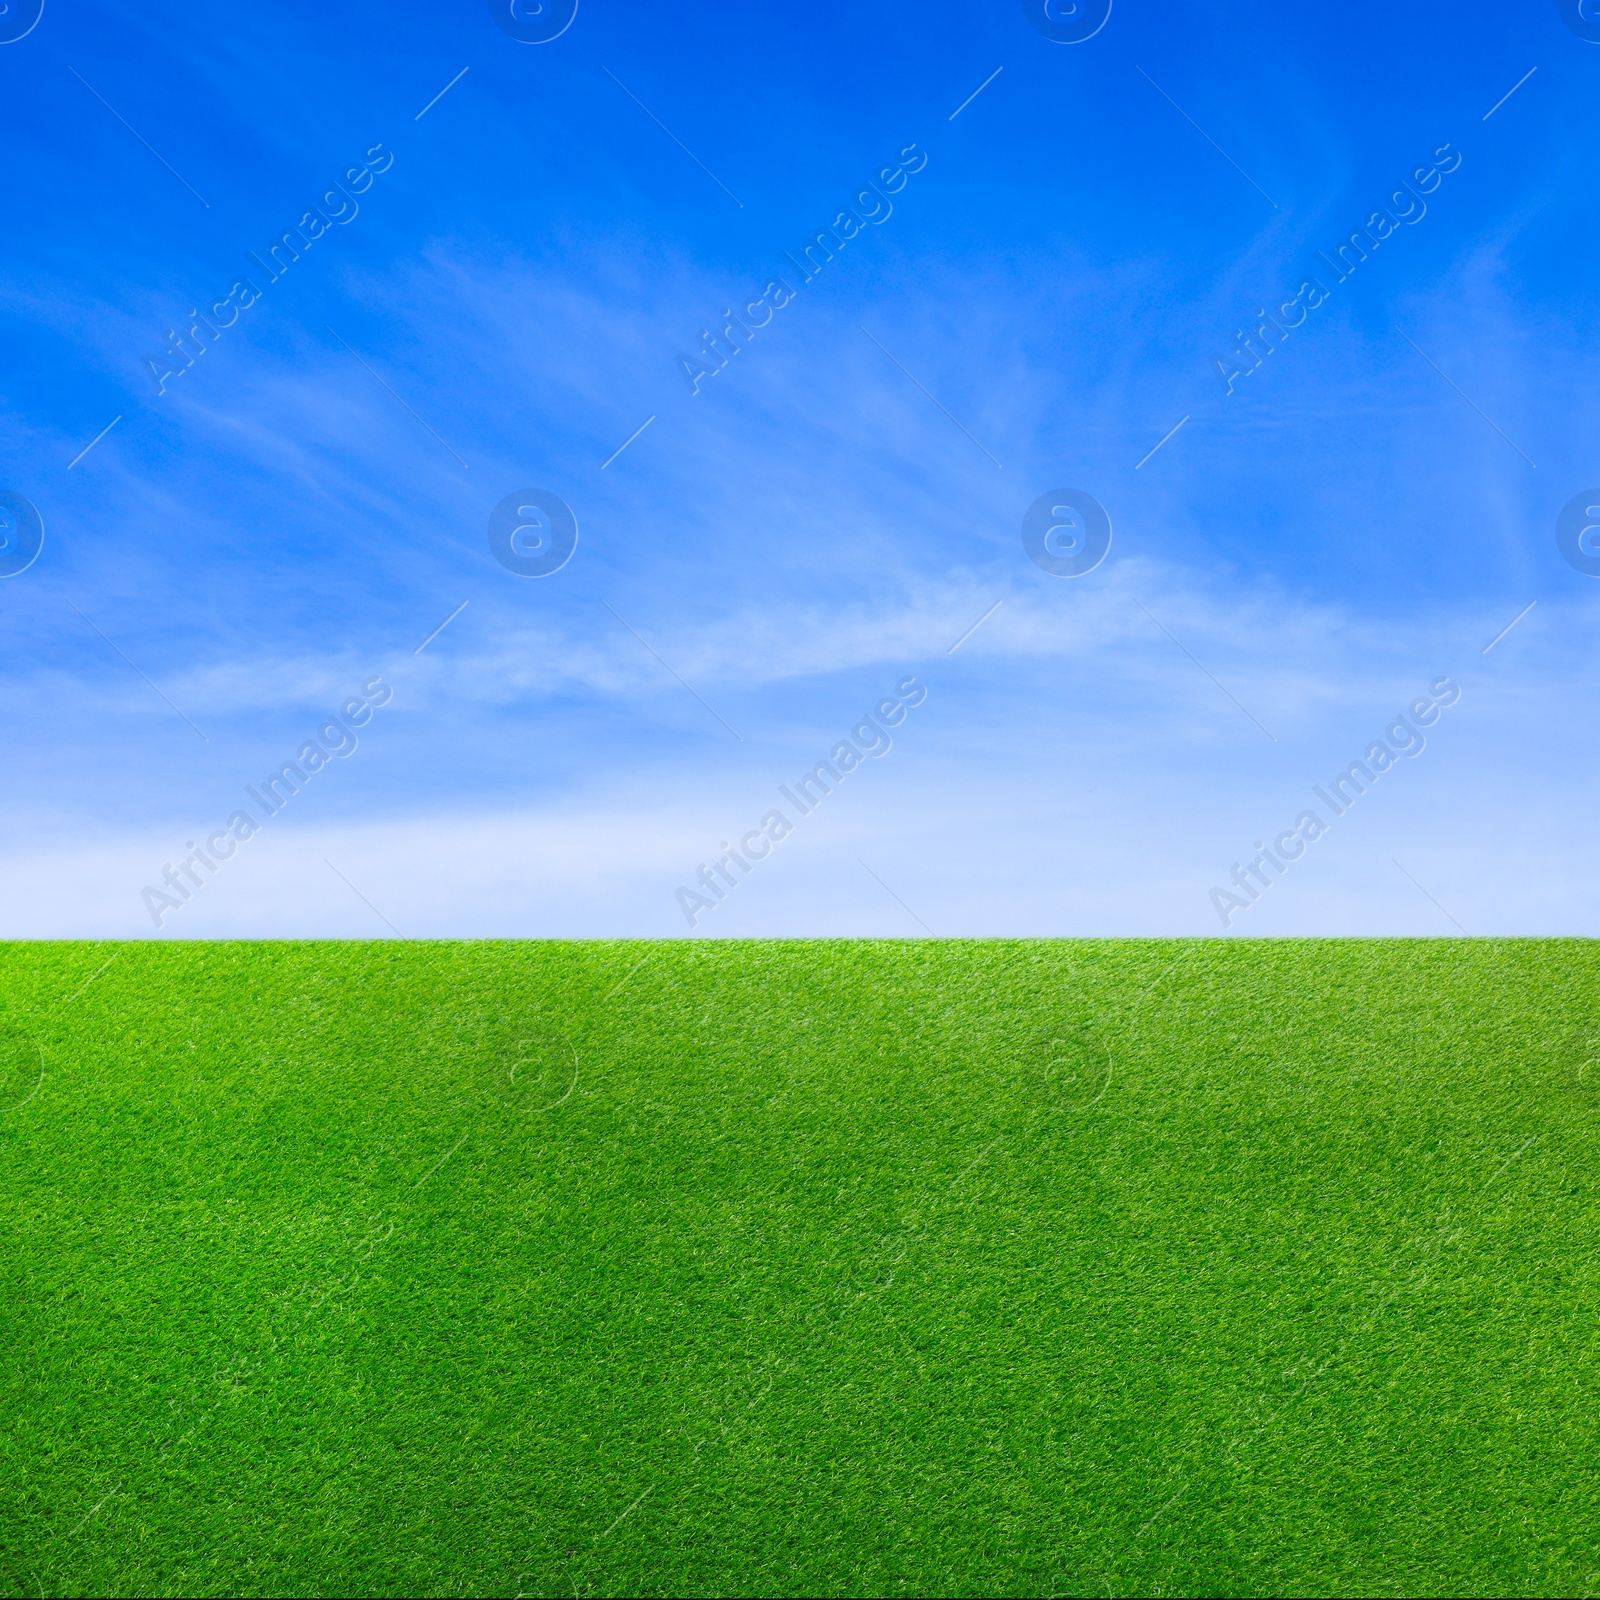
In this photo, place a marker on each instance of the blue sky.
(509, 298)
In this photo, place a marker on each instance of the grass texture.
(1044, 1267)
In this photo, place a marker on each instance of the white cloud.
(1058, 812)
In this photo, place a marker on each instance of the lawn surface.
(966, 1267)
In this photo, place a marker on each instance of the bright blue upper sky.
(283, 522)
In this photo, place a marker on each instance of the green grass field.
(858, 1267)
